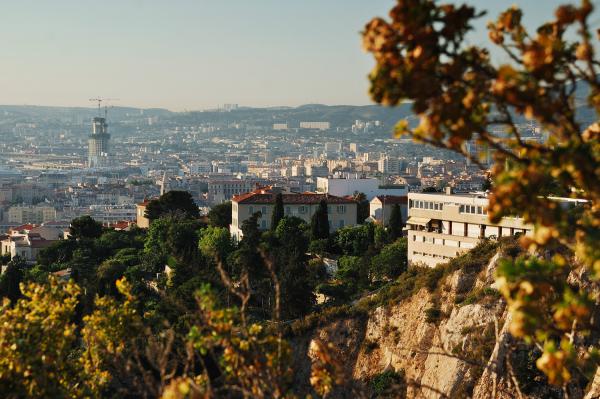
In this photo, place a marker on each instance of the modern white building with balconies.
(442, 226)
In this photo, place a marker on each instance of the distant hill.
(337, 115)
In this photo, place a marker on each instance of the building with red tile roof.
(342, 211)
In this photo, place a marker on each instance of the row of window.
(431, 255)
(436, 206)
(442, 241)
(302, 209)
(263, 224)
(476, 210)
(439, 206)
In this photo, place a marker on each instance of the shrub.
(389, 384)
(433, 314)
(369, 346)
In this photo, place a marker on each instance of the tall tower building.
(98, 144)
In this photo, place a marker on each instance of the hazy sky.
(193, 54)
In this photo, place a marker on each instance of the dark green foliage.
(4, 259)
(430, 189)
(59, 252)
(389, 384)
(85, 227)
(114, 268)
(319, 247)
(11, 278)
(395, 224)
(392, 261)
(353, 271)
(220, 215)
(381, 237)
(173, 202)
(278, 211)
(354, 240)
(296, 282)
(319, 224)
(362, 208)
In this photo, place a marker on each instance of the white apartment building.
(31, 214)
(389, 165)
(349, 186)
(113, 213)
(442, 226)
(223, 190)
(199, 168)
(341, 211)
(315, 125)
(317, 170)
(333, 147)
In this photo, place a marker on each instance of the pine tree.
(395, 224)
(319, 224)
(12, 277)
(278, 212)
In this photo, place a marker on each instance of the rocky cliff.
(447, 339)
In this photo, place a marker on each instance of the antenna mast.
(99, 101)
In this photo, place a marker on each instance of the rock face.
(461, 353)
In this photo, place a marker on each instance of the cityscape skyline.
(158, 56)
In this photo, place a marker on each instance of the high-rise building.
(98, 144)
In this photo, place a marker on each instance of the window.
(264, 210)
(341, 224)
(341, 208)
(301, 209)
(263, 224)
(251, 210)
(479, 210)
(288, 210)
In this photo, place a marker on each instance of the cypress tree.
(12, 277)
(278, 212)
(319, 224)
(395, 224)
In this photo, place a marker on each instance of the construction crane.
(99, 101)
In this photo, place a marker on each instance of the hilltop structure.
(98, 144)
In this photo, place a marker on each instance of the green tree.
(220, 215)
(354, 240)
(362, 208)
(11, 278)
(395, 224)
(59, 252)
(353, 272)
(278, 211)
(216, 241)
(392, 261)
(173, 202)
(319, 223)
(290, 261)
(460, 95)
(85, 227)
